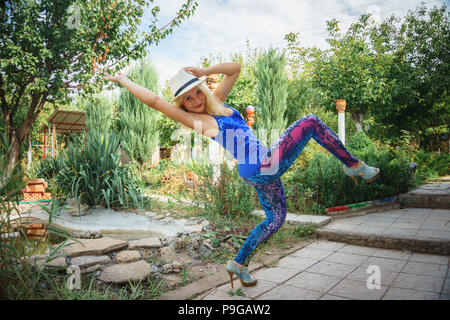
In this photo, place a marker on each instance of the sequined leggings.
(267, 182)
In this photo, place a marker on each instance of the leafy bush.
(93, 174)
(432, 165)
(229, 196)
(322, 183)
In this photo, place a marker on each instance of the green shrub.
(93, 174)
(230, 196)
(322, 183)
(432, 165)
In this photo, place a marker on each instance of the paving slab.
(300, 218)
(409, 294)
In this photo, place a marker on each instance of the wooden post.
(29, 153)
(45, 144)
(54, 141)
(340, 106)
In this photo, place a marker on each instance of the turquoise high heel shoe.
(242, 273)
(366, 172)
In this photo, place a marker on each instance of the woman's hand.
(197, 72)
(119, 77)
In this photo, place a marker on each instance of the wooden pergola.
(63, 121)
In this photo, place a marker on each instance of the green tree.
(271, 92)
(350, 70)
(137, 122)
(48, 47)
(99, 112)
(419, 51)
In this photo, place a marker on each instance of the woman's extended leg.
(286, 149)
(272, 199)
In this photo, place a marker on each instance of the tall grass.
(92, 173)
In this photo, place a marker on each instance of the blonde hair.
(212, 105)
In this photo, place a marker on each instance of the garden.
(129, 157)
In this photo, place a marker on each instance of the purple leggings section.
(282, 154)
(267, 182)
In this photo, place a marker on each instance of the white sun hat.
(182, 82)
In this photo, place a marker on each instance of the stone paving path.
(327, 270)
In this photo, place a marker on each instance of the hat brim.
(189, 87)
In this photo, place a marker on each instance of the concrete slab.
(431, 269)
(301, 218)
(288, 292)
(385, 264)
(277, 274)
(332, 269)
(414, 281)
(346, 258)
(357, 290)
(112, 223)
(409, 294)
(314, 281)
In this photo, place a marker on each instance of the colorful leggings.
(267, 182)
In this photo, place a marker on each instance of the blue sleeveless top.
(237, 138)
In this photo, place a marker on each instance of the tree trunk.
(14, 151)
(358, 118)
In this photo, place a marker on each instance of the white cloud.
(224, 26)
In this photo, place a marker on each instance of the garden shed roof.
(67, 121)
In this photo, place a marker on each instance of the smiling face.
(194, 100)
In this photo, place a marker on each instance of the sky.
(222, 27)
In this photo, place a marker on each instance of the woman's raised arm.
(231, 70)
(154, 101)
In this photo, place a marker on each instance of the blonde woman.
(204, 111)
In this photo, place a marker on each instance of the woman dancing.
(203, 110)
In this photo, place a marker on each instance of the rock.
(155, 269)
(194, 229)
(97, 268)
(88, 261)
(180, 243)
(206, 224)
(58, 262)
(158, 217)
(144, 243)
(176, 266)
(207, 243)
(128, 256)
(149, 214)
(165, 241)
(124, 272)
(40, 260)
(87, 235)
(167, 268)
(167, 219)
(93, 246)
(169, 255)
